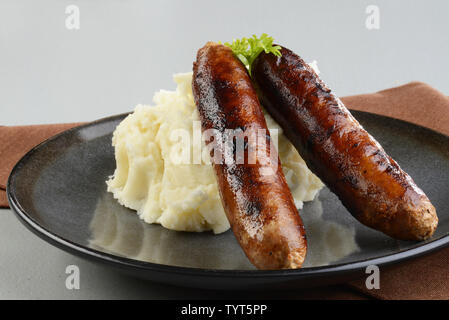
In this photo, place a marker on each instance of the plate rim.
(123, 262)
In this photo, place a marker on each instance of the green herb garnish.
(247, 49)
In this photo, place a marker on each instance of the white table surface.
(124, 51)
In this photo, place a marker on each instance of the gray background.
(127, 50)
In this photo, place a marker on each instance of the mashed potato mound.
(182, 197)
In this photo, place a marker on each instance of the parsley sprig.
(247, 49)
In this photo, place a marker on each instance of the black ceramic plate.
(58, 191)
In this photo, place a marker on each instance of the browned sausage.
(369, 183)
(259, 206)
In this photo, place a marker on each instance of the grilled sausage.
(369, 183)
(258, 205)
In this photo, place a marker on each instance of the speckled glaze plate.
(58, 191)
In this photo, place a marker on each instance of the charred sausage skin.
(369, 183)
(259, 207)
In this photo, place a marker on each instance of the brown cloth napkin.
(18, 140)
(423, 278)
(414, 102)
